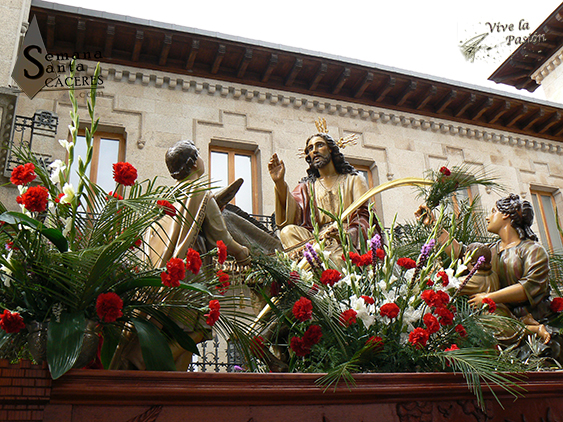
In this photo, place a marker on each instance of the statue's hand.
(276, 168)
(425, 215)
(476, 300)
(330, 231)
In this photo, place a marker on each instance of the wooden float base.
(134, 396)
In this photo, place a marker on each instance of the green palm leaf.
(154, 346)
(64, 342)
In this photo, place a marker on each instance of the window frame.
(363, 167)
(96, 140)
(231, 170)
(541, 213)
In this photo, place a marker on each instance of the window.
(458, 196)
(109, 148)
(366, 172)
(226, 166)
(544, 210)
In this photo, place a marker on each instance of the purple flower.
(480, 261)
(374, 244)
(238, 368)
(313, 255)
(309, 258)
(424, 254)
(426, 248)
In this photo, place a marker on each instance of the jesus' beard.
(321, 161)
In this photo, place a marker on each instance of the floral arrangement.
(382, 311)
(76, 254)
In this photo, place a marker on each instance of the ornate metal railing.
(213, 357)
(268, 220)
(43, 123)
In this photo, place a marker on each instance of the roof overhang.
(147, 44)
(545, 41)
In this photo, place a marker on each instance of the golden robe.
(294, 216)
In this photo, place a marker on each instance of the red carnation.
(556, 304)
(375, 343)
(429, 283)
(361, 260)
(221, 251)
(451, 348)
(314, 289)
(257, 346)
(429, 297)
(445, 171)
(167, 207)
(124, 174)
(176, 268)
(57, 200)
(442, 275)
(115, 195)
(11, 322)
(418, 337)
(23, 174)
(214, 313)
(293, 278)
(431, 323)
(435, 299)
(390, 310)
(406, 263)
(35, 199)
(224, 281)
(446, 316)
(312, 336)
(442, 298)
(299, 347)
(380, 253)
(108, 307)
(274, 288)
(368, 300)
(491, 304)
(303, 309)
(348, 317)
(193, 261)
(460, 329)
(330, 277)
(169, 281)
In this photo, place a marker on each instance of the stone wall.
(155, 109)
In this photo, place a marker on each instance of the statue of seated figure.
(199, 214)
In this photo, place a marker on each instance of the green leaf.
(154, 346)
(4, 337)
(157, 282)
(111, 335)
(172, 328)
(64, 342)
(54, 235)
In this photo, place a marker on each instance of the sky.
(417, 36)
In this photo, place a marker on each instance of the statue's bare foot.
(243, 256)
(544, 334)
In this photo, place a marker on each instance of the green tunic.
(527, 264)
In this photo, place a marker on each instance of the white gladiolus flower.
(454, 281)
(69, 193)
(460, 269)
(57, 166)
(68, 226)
(5, 272)
(411, 315)
(362, 310)
(65, 144)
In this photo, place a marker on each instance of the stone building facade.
(403, 129)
